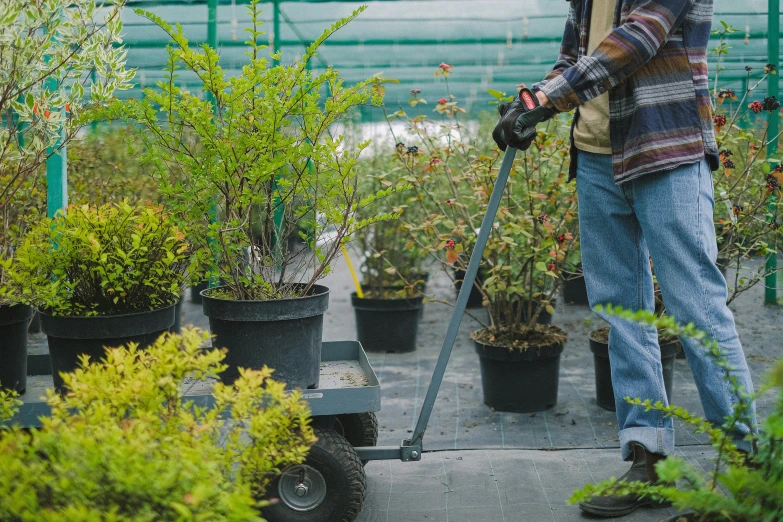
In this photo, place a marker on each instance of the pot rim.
(531, 353)
(108, 326)
(322, 290)
(19, 313)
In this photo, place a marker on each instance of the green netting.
(492, 43)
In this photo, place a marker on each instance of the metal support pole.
(214, 280)
(773, 47)
(462, 298)
(276, 28)
(56, 169)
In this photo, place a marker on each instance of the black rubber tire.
(359, 429)
(343, 473)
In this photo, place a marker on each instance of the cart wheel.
(359, 429)
(329, 486)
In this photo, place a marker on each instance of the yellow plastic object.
(353, 273)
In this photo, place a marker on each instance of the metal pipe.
(773, 47)
(462, 298)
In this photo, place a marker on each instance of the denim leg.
(675, 210)
(617, 271)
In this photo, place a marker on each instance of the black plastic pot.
(177, 326)
(35, 324)
(283, 334)
(519, 381)
(604, 392)
(195, 291)
(13, 346)
(575, 290)
(475, 299)
(387, 325)
(71, 336)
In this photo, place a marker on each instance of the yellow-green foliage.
(122, 445)
(111, 259)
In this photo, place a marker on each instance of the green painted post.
(276, 28)
(56, 171)
(773, 48)
(214, 280)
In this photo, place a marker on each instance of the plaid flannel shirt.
(654, 65)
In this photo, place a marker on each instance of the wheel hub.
(302, 488)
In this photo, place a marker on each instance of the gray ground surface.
(488, 466)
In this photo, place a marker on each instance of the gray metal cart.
(329, 486)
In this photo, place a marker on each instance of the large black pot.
(283, 334)
(14, 321)
(387, 325)
(519, 381)
(604, 392)
(71, 336)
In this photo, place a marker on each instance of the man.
(643, 148)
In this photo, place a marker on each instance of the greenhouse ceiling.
(493, 44)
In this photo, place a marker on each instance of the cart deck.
(348, 384)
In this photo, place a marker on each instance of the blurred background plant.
(452, 167)
(747, 185)
(61, 59)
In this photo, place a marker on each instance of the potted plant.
(453, 171)
(393, 275)
(43, 103)
(100, 276)
(241, 168)
(125, 442)
(746, 187)
(740, 487)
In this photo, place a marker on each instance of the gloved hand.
(518, 120)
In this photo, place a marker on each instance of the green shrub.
(244, 164)
(106, 260)
(122, 445)
(754, 484)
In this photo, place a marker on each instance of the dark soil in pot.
(35, 324)
(14, 321)
(71, 336)
(387, 325)
(599, 345)
(284, 334)
(524, 378)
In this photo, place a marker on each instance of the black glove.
(518, 120)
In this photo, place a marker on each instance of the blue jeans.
(667, 216)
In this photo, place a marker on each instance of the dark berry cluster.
(727, 163)
(771, 104)
(772, 183)
(720, 120)
(756, 107)
(769, 68)
(542, 218)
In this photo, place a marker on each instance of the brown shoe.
(642, 470)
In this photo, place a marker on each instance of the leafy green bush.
(754, 483)
(106, 260)
(60, 60)
(243, 166)
(122, 445)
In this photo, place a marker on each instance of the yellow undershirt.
(591, 133)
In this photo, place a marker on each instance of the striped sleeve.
(569, 49)
(626, 49)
